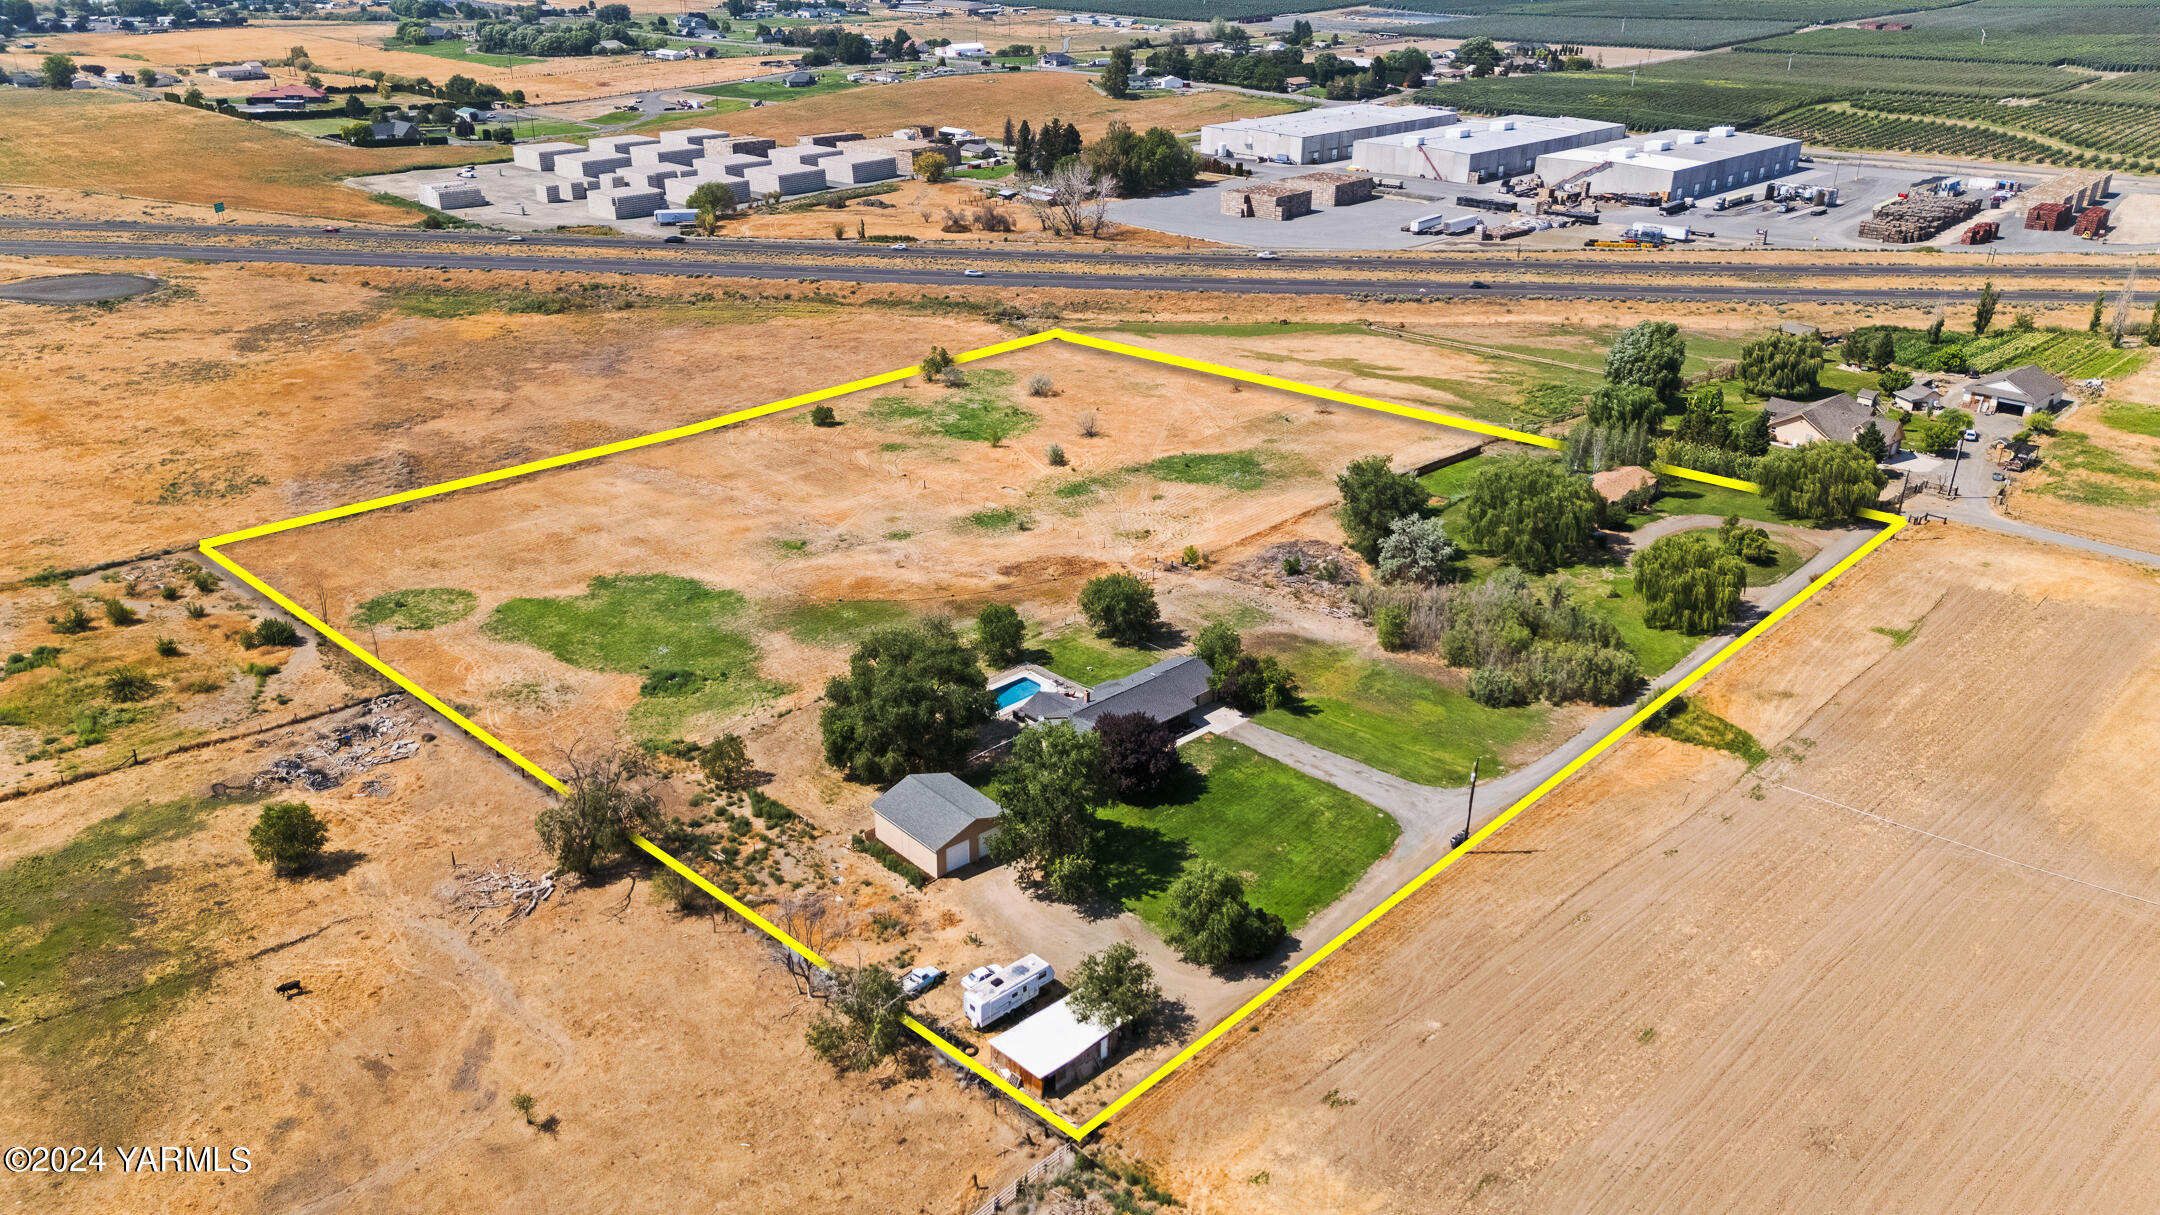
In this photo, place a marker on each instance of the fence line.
(1056, 1162)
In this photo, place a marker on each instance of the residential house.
(1839, 419)
(286, 96)
(1053, 59)
(1918, 396)
(393, 129)
(1168, 691)
(798, 80)
(2017, 391)
(610, 46)
(1053, 1051)
(936, 821)
(251, 70)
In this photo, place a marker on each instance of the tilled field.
(1908, 964)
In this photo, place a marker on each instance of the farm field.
(1680, 983)
(105, 142)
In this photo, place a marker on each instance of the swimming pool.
(1018, 690)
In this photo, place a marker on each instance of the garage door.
(956, 856)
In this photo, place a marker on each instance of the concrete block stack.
(586, 166)
(653, 155)
(620, 145)
(740, 145)
(783, 178)
(626, 202)
(696, 137)
(731, 165)
(802, 156)
(452, 195)
(857, 168)
(2046, 217)
(831, 139)
(2091, 222)
(541, 156)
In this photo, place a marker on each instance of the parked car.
(2000, 477)
(1267, 255)
(1972, 436)
(920, 980)
(972, 273)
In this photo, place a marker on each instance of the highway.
(1377, 277)
(2101, 273)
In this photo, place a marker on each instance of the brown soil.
(1677, 985)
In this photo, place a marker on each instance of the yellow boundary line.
(210, 547)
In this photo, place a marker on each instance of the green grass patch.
(1898, 637)
(1451, 484)
(1299, 844)
(457, 51)
(1685, 721)
(638, 623)
(445, 303)
(1656, 650)
(994, 173)
(1384, 714)
(773, 90)
(1240, 470)
(2133, 418)
(837, 623)
(1678, 496)
(976, 413)
(420, 608)
(999, 519)
(1082, 657)
(90, 970)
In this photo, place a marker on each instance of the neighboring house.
(396, 128)
(1917, 397)
(798, 80)
(936, 821)
(1053, 1051)
(471, 114)
(673, 54)
(1839, 419)
(251, 70)
(1168, 691)
(964, 50)
(610, 46)
(1053, 59)
(2017, 391)
(1869, 397)
(1616, 483)
(289, 95)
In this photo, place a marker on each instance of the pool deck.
(1044, 678)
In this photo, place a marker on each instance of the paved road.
(1978, 510)
(1363, 263)
(688, 264)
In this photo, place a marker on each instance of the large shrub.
(909, 703)
(1530, 512)
(1827, 482)
(1121, 607)
(1373, 498)
(1689, 582)
(1209, 922)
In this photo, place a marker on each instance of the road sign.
(217, 208)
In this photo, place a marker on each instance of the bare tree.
(611, 797)
(806, 917)
(1077, 202)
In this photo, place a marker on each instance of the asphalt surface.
(77, 288)
(1366, 263)
(1294, 279)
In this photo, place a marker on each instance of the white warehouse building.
(1479, 150)
(1676, 164)
(1317, 136)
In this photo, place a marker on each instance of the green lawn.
(1452, 482)
(548, 129)
(457, 51)
(1656, 650)
(977, 413)
(645, 623)
(1082, 657)
(1386, 715)
(773, 90)
(1299, 844)
(994, 173)
(1678, 496)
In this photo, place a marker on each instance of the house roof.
(300, 91)
(1917, 392)
(1616, 483)
(934, 808)
(1798, 328)
(1839, 417)
(1047, 706)
(1050, 1039)
(2029, 383)
(1168, 689)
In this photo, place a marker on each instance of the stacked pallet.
(1981, 233)
(2092, 222)
(2046, 217)
(1907, 220)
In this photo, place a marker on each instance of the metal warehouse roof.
(1677, 149)
(1337, 118)
(1050, 1039)
(1507, 131)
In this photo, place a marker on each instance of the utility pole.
(1469, 810)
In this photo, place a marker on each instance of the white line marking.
(1982, 851)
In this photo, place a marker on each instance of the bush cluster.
(1525, 642)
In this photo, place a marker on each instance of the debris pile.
(480, 890)
(385, 731)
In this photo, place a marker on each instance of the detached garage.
(936, 821)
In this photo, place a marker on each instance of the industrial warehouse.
(1479, 151)
(1675, 164)
(1311, 137)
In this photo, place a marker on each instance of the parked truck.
(1441, 225)
(675, 216)
(990, 992)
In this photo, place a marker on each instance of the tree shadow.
(1137, 861)
(336, 864)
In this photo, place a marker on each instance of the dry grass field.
(102, 142)
(982, 103)
(1680, 985)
